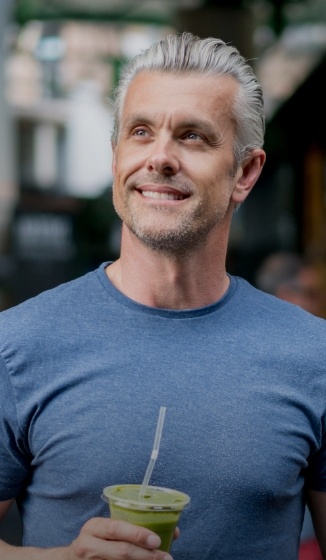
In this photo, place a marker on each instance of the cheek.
(220, 188)
(130, 157)
(117, 200)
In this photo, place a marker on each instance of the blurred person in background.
(294, 278)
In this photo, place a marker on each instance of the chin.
(171, 243)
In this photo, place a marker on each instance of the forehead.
(157, 92)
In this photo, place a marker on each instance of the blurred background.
(59, 63)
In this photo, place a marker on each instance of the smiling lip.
(162, 193)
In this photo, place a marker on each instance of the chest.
(224, 423)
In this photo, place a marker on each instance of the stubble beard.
(187, 234)
(179, 240)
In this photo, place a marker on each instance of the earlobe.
(250, 172)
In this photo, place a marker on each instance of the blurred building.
(287, 209)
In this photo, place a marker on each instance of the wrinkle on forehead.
(153, 95)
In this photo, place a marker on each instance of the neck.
(167, 281)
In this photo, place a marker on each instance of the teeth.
(162, 196)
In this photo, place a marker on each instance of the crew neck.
(161, 311)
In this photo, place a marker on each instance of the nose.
(163, 157)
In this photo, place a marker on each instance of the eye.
(194, 136)
(140, 132)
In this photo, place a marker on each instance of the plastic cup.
(159, 510)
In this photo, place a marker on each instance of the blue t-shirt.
(83, 372)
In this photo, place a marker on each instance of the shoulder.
(48, 310)
(273, 313)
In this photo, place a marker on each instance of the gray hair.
(184, 53)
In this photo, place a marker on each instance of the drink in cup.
(159, 509)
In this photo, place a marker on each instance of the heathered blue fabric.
(84, 371)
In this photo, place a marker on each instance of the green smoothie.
(159, 510)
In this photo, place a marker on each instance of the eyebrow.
(201, 125)
(137, 119)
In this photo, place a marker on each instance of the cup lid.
(156, 497)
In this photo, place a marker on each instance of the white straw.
(154, 455)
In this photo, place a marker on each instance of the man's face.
(173, 163)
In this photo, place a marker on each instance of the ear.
(249, 172)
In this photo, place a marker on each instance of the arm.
(104, 539)
(317, 506)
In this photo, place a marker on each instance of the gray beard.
(177, 242)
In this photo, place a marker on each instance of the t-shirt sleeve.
(14, 455)
(316, 473)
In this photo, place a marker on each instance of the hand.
(108, 539)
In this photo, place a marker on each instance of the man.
(87, 365)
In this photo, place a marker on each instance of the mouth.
(163, 195)
(161, 192)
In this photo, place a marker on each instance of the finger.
(114, 530)
(176, 533)
(117, 550)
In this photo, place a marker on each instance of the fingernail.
(167, 557)
(154, 541)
